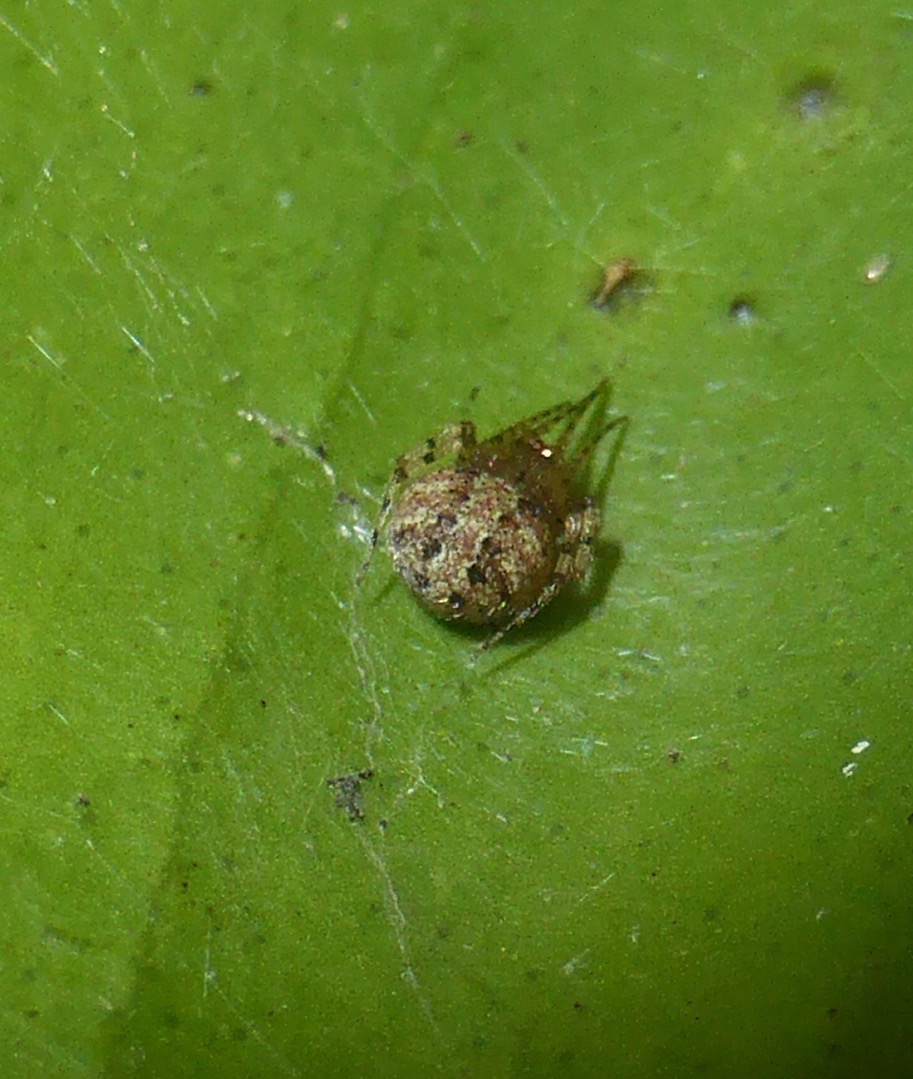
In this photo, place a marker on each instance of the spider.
(494, 536)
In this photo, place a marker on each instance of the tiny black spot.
(431, 549)
(476, 574)
(201, 88)
(446, 518)
(421, 582)
(399, 474)
(456, 601)
(428, 457)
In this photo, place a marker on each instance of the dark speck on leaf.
(742, 311)
(814, 97)
(348, 792)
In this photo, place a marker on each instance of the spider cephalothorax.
(494, 535)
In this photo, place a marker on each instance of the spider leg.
(456, 439)
(590, 444)
(598, 396)
(566, 416)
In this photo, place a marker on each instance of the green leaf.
(263, 820)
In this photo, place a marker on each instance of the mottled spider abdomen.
(495, 536)
(470, 546)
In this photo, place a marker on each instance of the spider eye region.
(471, 546)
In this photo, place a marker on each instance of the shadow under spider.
(570, 608)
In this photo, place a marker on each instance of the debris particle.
(285, 436)
(876, 269)
(348, 792)
(614, 277)
(814, 97)
(742, 311)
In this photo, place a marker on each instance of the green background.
(626, 842)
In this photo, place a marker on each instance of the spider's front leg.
(455, 440)
(567, 415)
